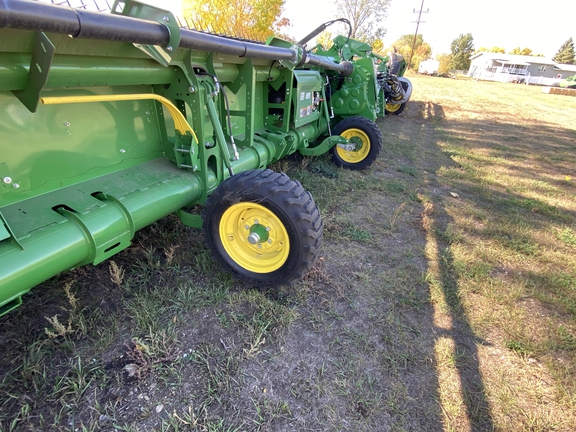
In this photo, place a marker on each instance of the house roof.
(514, 59)
(565, 67)
(518, 63)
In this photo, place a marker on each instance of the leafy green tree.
(251, 19)
(462, 48)
(365, 16)
(521, 51)
(444, 61)
(494, 49)
(565, 54)
(324, 39)
(422, 50)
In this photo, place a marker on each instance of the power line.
(416, 33)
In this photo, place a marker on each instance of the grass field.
(444, 298)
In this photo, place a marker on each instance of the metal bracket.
(184, 152)
(299, 54)
(6, 232)
(324, 146)
(220, 139)
(189, 219)
(42, 55)
(134, 9)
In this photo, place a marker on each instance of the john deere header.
(110, 121)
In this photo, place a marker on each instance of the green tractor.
(111, 121)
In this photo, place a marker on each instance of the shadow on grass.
(465, 341)
(449, 317)
(540, 161)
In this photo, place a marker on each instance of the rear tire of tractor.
(263, 228)
(365, 135)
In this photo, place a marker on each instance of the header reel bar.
(85, 24)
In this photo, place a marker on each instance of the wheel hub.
(258, 233)
(350, 146)
(254, 237)
(357, 148)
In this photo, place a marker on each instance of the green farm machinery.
(111, 121)
(394, 90)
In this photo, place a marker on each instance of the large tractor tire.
(365, 143)
(263, 228)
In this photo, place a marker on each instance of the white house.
(518, 68)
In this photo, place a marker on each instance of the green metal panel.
(91, 221)
(306, 97)
(60, 145)
(358, 96)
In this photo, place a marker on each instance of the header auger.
(112, 121)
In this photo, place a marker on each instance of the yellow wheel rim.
(254, 237)
(392, 107)
(360, 142)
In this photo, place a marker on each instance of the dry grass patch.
(508, 238)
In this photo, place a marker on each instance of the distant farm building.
(428, 67)
(518, 68)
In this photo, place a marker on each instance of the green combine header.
(111, 121)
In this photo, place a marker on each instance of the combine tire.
(365, 143)
(263, 228)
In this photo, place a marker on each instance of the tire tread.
(286, 193)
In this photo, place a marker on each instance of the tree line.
(258, 19)
(462, 48)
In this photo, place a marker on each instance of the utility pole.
(416, 33)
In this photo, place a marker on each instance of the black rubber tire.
(371, 131)
(287, 200)
(398, 111)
